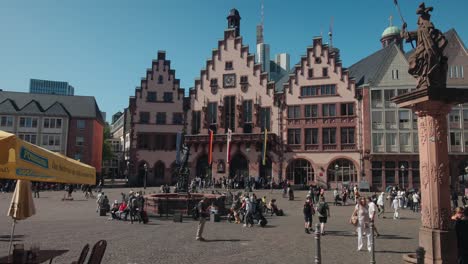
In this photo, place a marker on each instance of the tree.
(107, 153)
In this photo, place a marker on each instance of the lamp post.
(402, 169)
(145, 166)
(128, 171)
(466, 174)
(336, 175)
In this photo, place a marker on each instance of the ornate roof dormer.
(234, 21)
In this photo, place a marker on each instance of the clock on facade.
(229, 80)
(244, 87)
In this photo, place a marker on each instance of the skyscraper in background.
(50, 87)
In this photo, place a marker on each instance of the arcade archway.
(238, 167)
(159, 171)
(202, 168)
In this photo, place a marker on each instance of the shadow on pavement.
(393, 251)
(225, 240)
(6, 238)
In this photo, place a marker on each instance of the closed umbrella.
(21, 206)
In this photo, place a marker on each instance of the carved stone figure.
(427, 63)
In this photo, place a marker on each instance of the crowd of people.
(130, 206)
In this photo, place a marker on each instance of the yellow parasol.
(25, 161)
(21, 206)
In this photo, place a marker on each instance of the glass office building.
(50, 87)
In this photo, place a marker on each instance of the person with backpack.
(323, 212)
(308, 211)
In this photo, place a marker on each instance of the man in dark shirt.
(202, 207)
(461, 229)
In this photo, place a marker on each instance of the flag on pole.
(264, 150)
(228, 153)
(210, 153)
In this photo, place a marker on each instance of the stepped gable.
(155, 72)
(332, 56)
(244, 53)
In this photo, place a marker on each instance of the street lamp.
(145, 166)
(466, 171)
(127, 172)
(402, 168)
(336, 175)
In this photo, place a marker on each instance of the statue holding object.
(427, 63)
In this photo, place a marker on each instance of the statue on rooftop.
(427, 63)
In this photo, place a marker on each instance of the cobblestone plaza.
(71, 224)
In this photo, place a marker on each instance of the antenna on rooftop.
(260, 26)
(330, 33)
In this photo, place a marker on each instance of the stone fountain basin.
(165, 204)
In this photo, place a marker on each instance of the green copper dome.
(392, 30)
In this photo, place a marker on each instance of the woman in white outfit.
(396, 208)
(362, 212)
(381, 204)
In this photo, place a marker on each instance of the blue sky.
(103, 47)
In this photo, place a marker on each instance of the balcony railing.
(455, 148)
(377, 125)
(406, 148)
(348, 146)
(455, 125)
(392, 148)
(329, 147)
(312, 147)
(379, 148)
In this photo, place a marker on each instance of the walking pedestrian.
(381, 205)
(202, 212)
(416, 202)
(336, 196)
(372, 211)
(323, 212)
(396, 208)
(361, 211)
(249, 210)
(99, 199)
(307, 210)
(37, 188)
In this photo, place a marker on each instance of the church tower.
(391, 35)
(234, 21)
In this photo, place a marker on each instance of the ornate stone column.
(434, 234)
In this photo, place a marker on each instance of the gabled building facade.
(157, 114)
(71, 125)
(321, 124)
(233, 93)
(390, 136)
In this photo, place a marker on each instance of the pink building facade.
(157, 114)
(233, 93)
(321, 121)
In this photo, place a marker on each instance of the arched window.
(342, 171)
(300, 171)
(159, 169)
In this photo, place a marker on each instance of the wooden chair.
(98, 252)
(83, 255)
